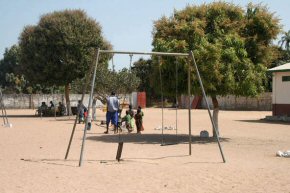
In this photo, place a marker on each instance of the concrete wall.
(14, 101)
(261, 103)
(25, 101)
(281, 90)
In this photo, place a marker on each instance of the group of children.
(113, 115)
(131, 116)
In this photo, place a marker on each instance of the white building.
(281, 90)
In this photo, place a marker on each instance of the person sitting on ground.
(61, 109)
(139, 121)
(112, 112)
(51, 105)
(43, 105)
(128, 121)
(42, 109)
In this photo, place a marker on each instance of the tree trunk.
(215, 115)
(67, 100)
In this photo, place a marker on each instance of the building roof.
(282, 68)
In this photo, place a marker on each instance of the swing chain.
(113, 65)
(131, 57)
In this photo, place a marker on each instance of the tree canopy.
(232, 46)
(60, 48)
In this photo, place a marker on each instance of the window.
(285, 78)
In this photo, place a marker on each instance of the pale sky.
(127, 24)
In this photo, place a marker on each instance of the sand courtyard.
(32, 155)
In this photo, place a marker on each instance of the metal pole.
(74, 127)
(113, 66)
(162, 105)
(4, 113)
(89, 107)
(78, 112)
(145, 53)
(189, 105)
(131, 57)
(2, 109)
(208, 109)
(176, 98)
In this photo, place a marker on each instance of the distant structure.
(281, 90)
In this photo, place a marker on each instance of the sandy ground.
(32, 155)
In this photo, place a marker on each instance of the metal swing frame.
(189, 55)
(3, 110)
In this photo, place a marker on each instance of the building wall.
(281, 110)
(281, 90)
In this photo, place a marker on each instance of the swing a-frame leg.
(4, 113)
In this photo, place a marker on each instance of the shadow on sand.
(20, 116)
(264, 121)
(154, 139)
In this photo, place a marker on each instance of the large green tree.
(60, 48)
(232, 47)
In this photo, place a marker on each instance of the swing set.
(189, 55)
(3, 110)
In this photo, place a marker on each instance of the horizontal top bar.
(144, 53)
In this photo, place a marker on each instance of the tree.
(143, 70)
(232, 47)
(121, 82)
(60, 48)
(285, 41)
(8, 64)
(11, 78)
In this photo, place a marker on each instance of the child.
(85, 113)
(139, 120)
(131, 111)
(139, 107)
(128, 121)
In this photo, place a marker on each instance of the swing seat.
(8, 125)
